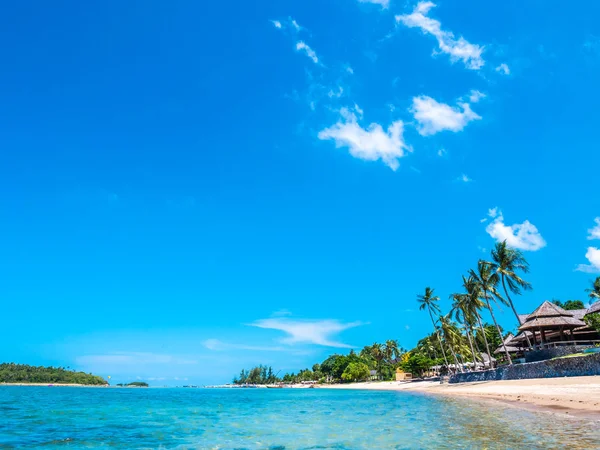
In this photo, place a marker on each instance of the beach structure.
(509, 346)
(550, 323)
(401, 375)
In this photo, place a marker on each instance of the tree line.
(23, 373)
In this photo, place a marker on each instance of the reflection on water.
(274, 419)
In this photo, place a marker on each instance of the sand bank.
(575, 395)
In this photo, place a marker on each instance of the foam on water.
(276, 419)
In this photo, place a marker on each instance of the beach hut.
(548, 318)
(510, 346)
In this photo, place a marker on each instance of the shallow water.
(276, 419)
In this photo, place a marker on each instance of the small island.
(11, 373)
(133, 384)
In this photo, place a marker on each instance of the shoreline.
(574, 396)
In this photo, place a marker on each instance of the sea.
(275, 419)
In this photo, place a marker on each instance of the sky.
(192, 188)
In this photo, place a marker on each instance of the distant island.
(133, 384)
(25, 374)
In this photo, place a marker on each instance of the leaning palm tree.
(594, 291)
(429, 301)
(475, 304)
(487, 280)
(506, 262)
(461, 310)
(451, 337)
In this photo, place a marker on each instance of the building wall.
(549, 353)
(566, 367)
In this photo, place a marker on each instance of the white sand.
(574, 395)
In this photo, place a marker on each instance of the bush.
(356, 371)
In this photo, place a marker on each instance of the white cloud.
(350, 70)
(287, 24)
(302, 46)
(464, 178)
(593, 256)
(276, 24)
(319, 332)
(295, 24)
(503, 68)
(132, 359)
(434, 117)
(476, 95)
(442, 152)
(458, 49)
(522, 236)
(336, 94)
(383, 3)
(217, 345)
(370, 144)
(594, 233)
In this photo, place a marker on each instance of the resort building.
(551, 327)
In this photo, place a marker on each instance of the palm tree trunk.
(487, 300)
(487, 346)
(437, 333)
(471, 345)
(458, 365)
(514, 310)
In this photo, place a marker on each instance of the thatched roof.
(507, 343)
(594, 308)
(550, 316)
(577, 313)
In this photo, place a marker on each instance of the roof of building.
(549, 316)
(594, 308)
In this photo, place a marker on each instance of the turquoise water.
(276, 419)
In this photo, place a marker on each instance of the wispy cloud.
(522, 236)
(503, 68)
(476, 95)
(301, 46)
(433, 117)
(133, 359)
(383, 3)
(217, 345)
(288, 24)
(442, 152)
(369, 144)
(593, 253)
(458, 49)
(318, 332)
(594, 233)
(464, 178)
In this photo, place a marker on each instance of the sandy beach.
(576, 396)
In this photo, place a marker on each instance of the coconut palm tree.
(461, 309)
(475, 305)
(487, 279)
(392, 350)
(451, 337)
(594, 291)
(506, 262)
(429, 301)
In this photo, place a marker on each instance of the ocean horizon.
(276, 419)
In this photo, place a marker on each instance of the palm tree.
(475, 305)
(378, 354)
(507, 262)
(461, 309)
(487, 280)
(594, 291)
(392, 350)
(451, 337)
(429, 302)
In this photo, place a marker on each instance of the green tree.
(416, 364)
(593, 321)
(569, 305)
(487, 279)
(429, 301)
(463, 313)
(356, 371)
(594, 291)
(506, 262)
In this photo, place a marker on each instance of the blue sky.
(190, 188)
